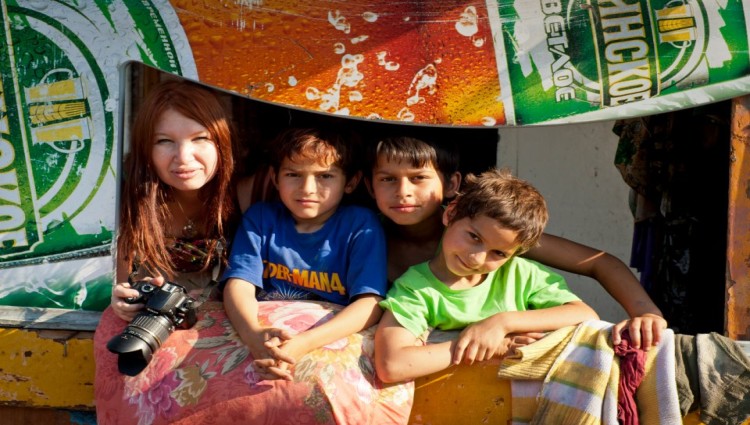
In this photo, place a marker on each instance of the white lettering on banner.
(12, 216)
(624, 34)
(557, 44)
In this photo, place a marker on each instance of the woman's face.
(183, 153)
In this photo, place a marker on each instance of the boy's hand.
(263, 358)
(645, 331)
(519, 340)
(479, 342)
(286, 353)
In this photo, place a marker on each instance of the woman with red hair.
(177, 196)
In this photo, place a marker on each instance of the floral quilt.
(205, 375)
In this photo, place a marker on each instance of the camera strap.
(214, 275)
(211, 284)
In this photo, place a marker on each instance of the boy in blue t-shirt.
(475, 282)
(307, 246)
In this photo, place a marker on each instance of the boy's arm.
(616, 278)
(242, 309)
(361, 314)
(484, 340)
(398, 358)
(365, 276)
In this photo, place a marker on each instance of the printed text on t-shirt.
(322, 281)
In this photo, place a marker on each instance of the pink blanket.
(205, 375)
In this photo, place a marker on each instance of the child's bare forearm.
(611, 273)
(488, 338)
(242, 310)
(361, 314)
(416, 361)
(620, 282)
(398, 358)
(542, 320)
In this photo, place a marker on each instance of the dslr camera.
(167, 307)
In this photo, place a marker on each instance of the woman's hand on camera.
(121, 292)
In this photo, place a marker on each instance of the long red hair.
(144, 214)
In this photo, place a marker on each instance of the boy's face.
(475, 246)
(408, 195)
(311, 191)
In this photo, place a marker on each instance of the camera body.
(169, 300)
(167, 307)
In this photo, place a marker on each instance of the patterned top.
(189, 255)
(189, 259)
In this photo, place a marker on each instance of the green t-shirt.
(420, 301)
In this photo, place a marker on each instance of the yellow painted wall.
(462, 395)
(55, 369)
(46, 368)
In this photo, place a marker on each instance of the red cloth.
(205, 375)
(632, 365)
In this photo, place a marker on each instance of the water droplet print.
(467, 22)
(370, 16)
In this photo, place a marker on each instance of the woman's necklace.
(188, 230)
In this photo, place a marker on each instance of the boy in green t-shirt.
(411, 178)
(477, 283)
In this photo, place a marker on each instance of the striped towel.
(571, 375)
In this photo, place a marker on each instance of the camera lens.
(138, 341)
(167, 307)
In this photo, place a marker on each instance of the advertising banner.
(439, 63)
(59, 110)
(609, 59)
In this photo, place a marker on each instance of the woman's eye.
(163, 141)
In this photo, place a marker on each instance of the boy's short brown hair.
(416, 152)
(513, 202)
(323, 146)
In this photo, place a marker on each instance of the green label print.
(566, 58)
(60, 76)
(17, 214)
(59, 69)
(62, 149)
(160, 50)
(624, 48)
